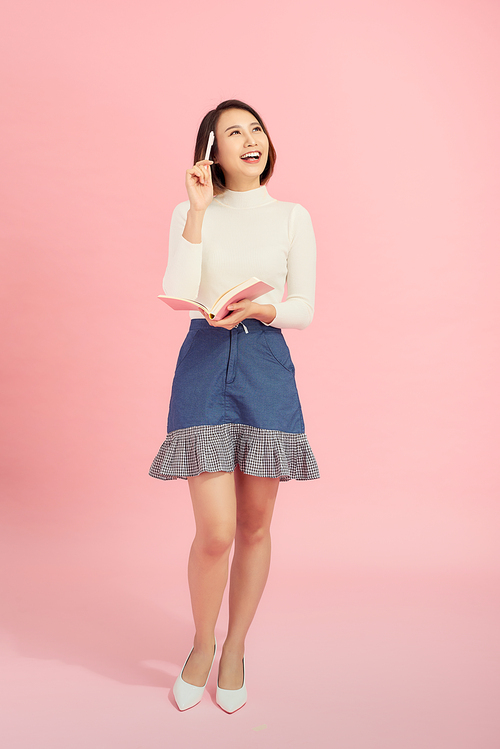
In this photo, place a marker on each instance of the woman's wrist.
(194, 223)
(263, 312)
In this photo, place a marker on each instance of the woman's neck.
(242, 185)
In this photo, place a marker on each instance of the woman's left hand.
(239, 311)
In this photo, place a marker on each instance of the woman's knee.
(215, 543)
(252, 530)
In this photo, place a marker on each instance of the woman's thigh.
(213, 497)
(256, 497)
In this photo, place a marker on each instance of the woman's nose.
(250, 140)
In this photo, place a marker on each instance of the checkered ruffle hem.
(258, 452)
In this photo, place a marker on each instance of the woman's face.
(242, 149)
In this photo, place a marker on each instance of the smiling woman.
(227, 122)
(235, 424)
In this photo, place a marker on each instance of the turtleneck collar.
(247, 199)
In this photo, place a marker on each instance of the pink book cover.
(249, 289)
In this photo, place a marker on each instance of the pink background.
(378, 628)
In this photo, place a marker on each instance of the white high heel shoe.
(188, 695)
(231, 700)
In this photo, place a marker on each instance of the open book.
(249, 289)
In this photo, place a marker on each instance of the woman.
(235, 426)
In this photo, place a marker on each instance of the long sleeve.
(183, 274)
(298, 308)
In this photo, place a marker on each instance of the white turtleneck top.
(246, 234)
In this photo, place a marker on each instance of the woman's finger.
(204, 165)
(197, 172)
(230, 321)
(199, 175)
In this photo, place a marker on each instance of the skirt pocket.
(186, 345)
(277, 346)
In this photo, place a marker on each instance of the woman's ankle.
(234, 648)
(204, 643)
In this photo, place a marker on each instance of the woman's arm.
(200, 193)
(183, 273)
(194, 224)
(298, 309)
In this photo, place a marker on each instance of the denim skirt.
(235, 402)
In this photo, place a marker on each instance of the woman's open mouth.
(252, 157)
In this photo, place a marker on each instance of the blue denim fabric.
(234, 377)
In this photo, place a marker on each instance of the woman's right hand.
(199, 185)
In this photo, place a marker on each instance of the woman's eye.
(257, 128)
(234, 131)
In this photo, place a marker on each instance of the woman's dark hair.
(208, 123)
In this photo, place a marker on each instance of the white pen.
(210, 143)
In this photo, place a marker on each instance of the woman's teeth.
(252, 156)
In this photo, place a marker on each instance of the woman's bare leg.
(214, 504)
(249, 570)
